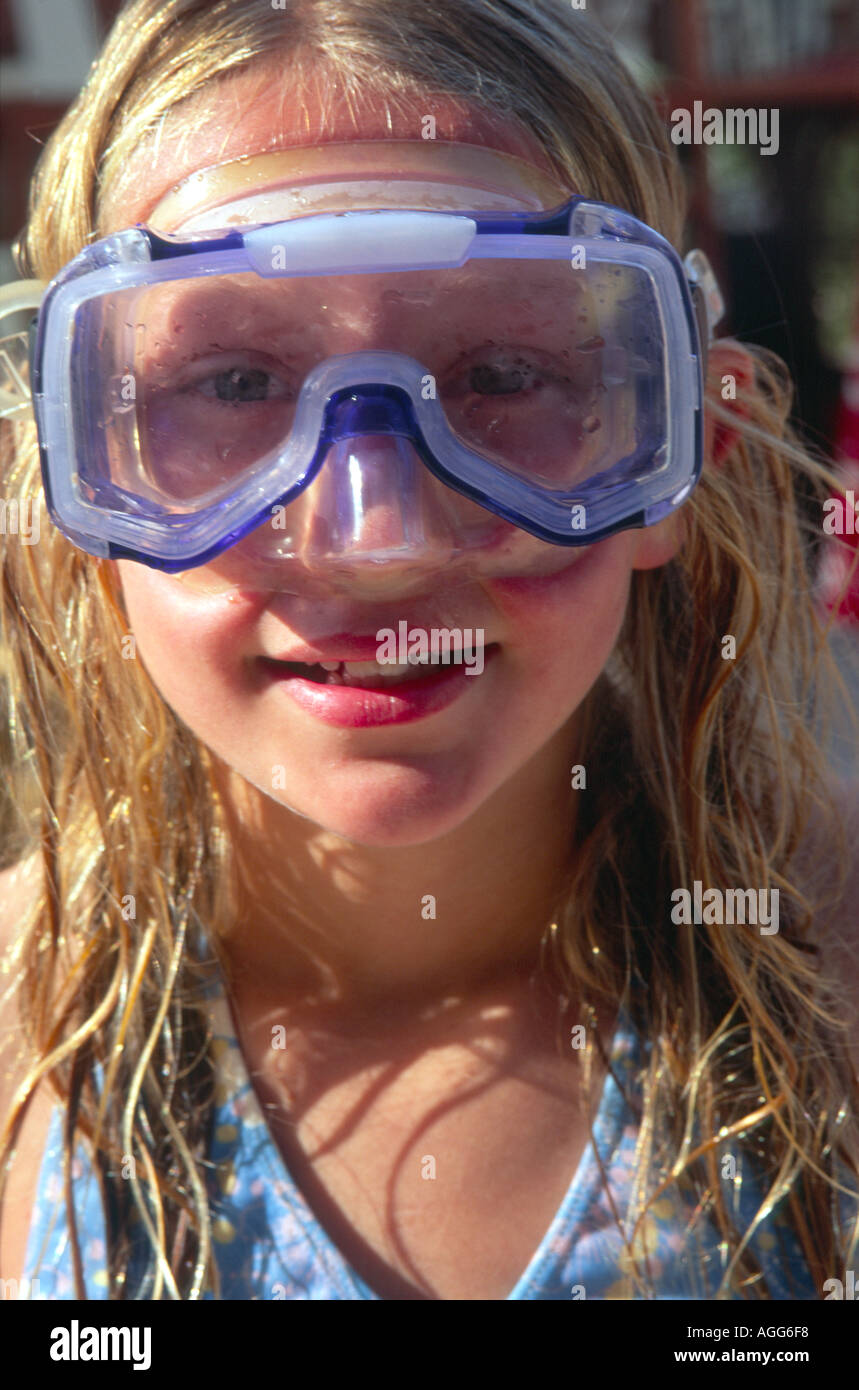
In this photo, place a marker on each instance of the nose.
(374, 523)
(372, 506)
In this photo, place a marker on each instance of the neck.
(322, 916)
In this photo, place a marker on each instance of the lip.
(351, 707)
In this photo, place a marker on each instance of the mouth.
(375, 675)
(365, 694)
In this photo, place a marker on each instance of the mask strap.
(389, 162)
(707, 298)
(16, 298)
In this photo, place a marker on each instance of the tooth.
(372, 673)
(363, 668)
(330, 665)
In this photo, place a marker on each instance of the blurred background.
(781, 230)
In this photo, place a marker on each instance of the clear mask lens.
(204, 386)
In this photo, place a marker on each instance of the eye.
(508, 374)
(499, 371)
(242, 385)
(227, 375)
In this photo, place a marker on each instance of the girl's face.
(391, 782)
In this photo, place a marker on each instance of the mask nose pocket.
(372, 500)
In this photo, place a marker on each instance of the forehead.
(263, 108)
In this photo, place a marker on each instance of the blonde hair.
(710, 769)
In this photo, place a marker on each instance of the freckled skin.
(388, 784)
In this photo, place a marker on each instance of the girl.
(318, 987)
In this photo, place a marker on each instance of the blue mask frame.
(367, 392)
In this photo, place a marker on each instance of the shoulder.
(18, 886)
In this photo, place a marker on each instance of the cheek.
(563, 627)
(191, 646)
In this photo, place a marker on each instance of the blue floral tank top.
(268, 1244)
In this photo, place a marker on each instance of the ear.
(730, 379)
(656, 545)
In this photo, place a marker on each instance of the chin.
(392, 814)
